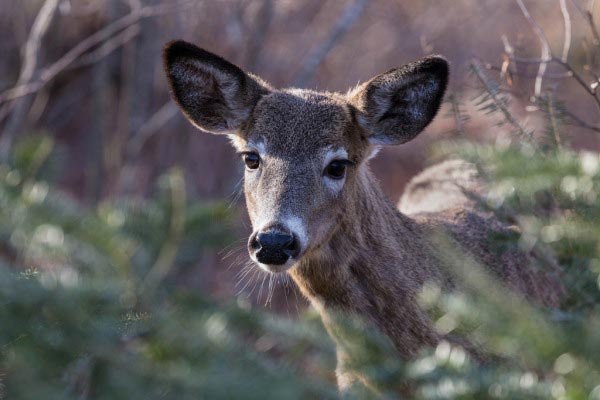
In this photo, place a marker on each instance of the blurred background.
(93, 82)
(123, 229)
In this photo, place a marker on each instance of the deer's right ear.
(215, 95)
(396, 106)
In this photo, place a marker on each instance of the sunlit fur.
(359, 253)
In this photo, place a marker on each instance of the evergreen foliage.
(90, 308)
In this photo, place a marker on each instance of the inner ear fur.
(396, 106)
(214, 94)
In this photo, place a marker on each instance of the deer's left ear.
(396, 106)
(214, 94)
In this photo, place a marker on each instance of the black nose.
(274, 247)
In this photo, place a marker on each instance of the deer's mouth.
(276, 269)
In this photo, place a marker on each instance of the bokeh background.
(117, 130)
(123, 266)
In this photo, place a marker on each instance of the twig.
(38, 31)
(507, 58)
(567, 22)
(547, 55)
(589, 17)
(592, 24)
(574, 120)
(553, 124)
(529, 60)
(341, 27)
(545, 47)
(497, 101)
(76, 52)
(589, 70)
(456, 113)
(107, 48)
(31, 58)
(591, 90)
(548, 75)
(154, 123)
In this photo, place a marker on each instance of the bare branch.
(548, 75)
(476, 65)
(341, 27)
(153, 125)
(546, 54)
(590, 18)
(588, 88)
(104, 34)
(574, 120)
(30, 63)
(459, 119)
(508, 49)
(38, 31)
(567, 22)
(528, 60)
(107, 47)
(553, 124)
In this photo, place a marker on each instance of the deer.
(316, 210)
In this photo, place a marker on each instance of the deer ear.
(215, 95)
(396, 106)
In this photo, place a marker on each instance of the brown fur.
(362, 255)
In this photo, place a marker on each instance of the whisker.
(261, 287)
(237, 197)
(270, 290)
(243, 273)
(235, 194)
(241, 259)
(296, 296)
(249, 280)
(285, 278)
(248, 266)
(243, 264)
(243, 268)
(232, 248)
(254, 278)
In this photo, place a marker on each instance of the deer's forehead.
(300, 122)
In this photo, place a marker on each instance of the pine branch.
(496, 102)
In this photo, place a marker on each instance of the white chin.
(278, 268)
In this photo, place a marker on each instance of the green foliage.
(90, 308)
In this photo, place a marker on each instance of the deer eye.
(252, 160)
(336, 169)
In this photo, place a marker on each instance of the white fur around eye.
(335, 185)
(259, 146)
(374, 151)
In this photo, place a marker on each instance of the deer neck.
(373, 265)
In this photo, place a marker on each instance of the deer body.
(358, 270)
(315, 207)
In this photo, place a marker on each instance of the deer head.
(305, 152)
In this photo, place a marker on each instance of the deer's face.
(302, 150)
